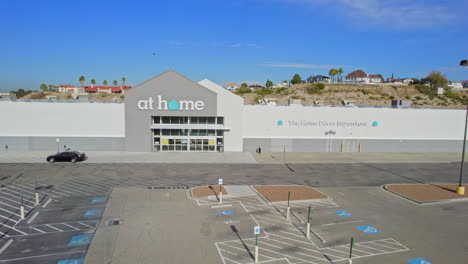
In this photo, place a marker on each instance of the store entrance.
(205, 144)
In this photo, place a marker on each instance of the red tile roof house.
(107, 89)
(360, 77)
(232, 87)
(70, 89)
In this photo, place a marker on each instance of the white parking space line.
(47, 203)
(32, 217)
(13, 201)
(38, 230)
(9, 219)
(15, 207)
(54, 227)
(7, 244)
(81, 223)
(10, 212)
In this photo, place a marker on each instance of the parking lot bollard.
(288, 210)
(220, 182)
(37, 198)
(350, 261)
(308, 224)
(256, 232)
(22, 212)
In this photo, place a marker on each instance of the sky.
(55, 42)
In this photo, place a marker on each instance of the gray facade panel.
(351, 145)
(74, 143)
(170, 86)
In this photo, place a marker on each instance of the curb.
(384, 187)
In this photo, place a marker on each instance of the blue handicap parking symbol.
(226, 213)
(70, 261)
(419, 261)
(90, 213)
(99, 199)
(369, 229)
(343, 213)
(80, 240)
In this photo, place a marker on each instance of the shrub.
(295, 97)
(392, 97)
(264, 91)
(418, 97)
(280, 90)
(243, 91)
(320, 86)
(408, 97)
(365, 91)
(373, 98)
(315, 88)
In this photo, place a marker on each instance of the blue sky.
(54, 42)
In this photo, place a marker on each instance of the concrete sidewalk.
(134, 157)
(357, 157)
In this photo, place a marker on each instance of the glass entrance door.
(204, 144)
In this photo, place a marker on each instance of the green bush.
(365, 91)
(315, 88)
(408, 97)
(264, 91)
(243, 91)
(280, 90)
(418, 97)
(320, 86)
(392, 97)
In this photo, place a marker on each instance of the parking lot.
(73, 198)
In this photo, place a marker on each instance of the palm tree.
(115, 82)
(332, 73)
(104, 82)
(340, 72)
(93, 82)
(82, 80)
(124, 80)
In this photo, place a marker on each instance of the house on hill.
(360, 77)
(232, 87)
(318, 79)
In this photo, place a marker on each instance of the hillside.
(370, 95)
(100, 97)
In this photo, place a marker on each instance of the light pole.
(460, 188)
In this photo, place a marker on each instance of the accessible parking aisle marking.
(80, 240)
(99, 200)
(418, 261)
(71, 261)
(47, 203)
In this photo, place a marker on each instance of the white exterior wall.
(313, 122)
(62, 119)
(231, 107)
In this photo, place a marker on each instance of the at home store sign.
(161, 104)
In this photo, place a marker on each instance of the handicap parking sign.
(220, 181)
(343, 213)
(256, 230)
(419, 261)
(70, 261)
(90, 213)
(99, 199)
(80, 240)
(369, 229)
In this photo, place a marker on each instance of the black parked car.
(72, 156)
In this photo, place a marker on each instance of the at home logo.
(161, 104)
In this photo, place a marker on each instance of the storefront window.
(202, 120)
(220, 120)
(166, 120)
(211, 132)
(193, 120)
(211, 120)
(219, 133)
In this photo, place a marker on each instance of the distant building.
(455, 85)
(107, 89)
(401, 81)
(360, 77)
(232, 87)
(281, 84)
(256, 86)
(318, 79)
(70, 89)
(465, 84)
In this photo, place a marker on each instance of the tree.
(332, 74)
(93, 82)
(50, 87)
(115, 83)
(268, 84)
(416, 81)
(340, 72)
(104, 82)
(82, 80)
(244, 85)
(44, 87)
(437, 79)
(296, 79)
(124, 80)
